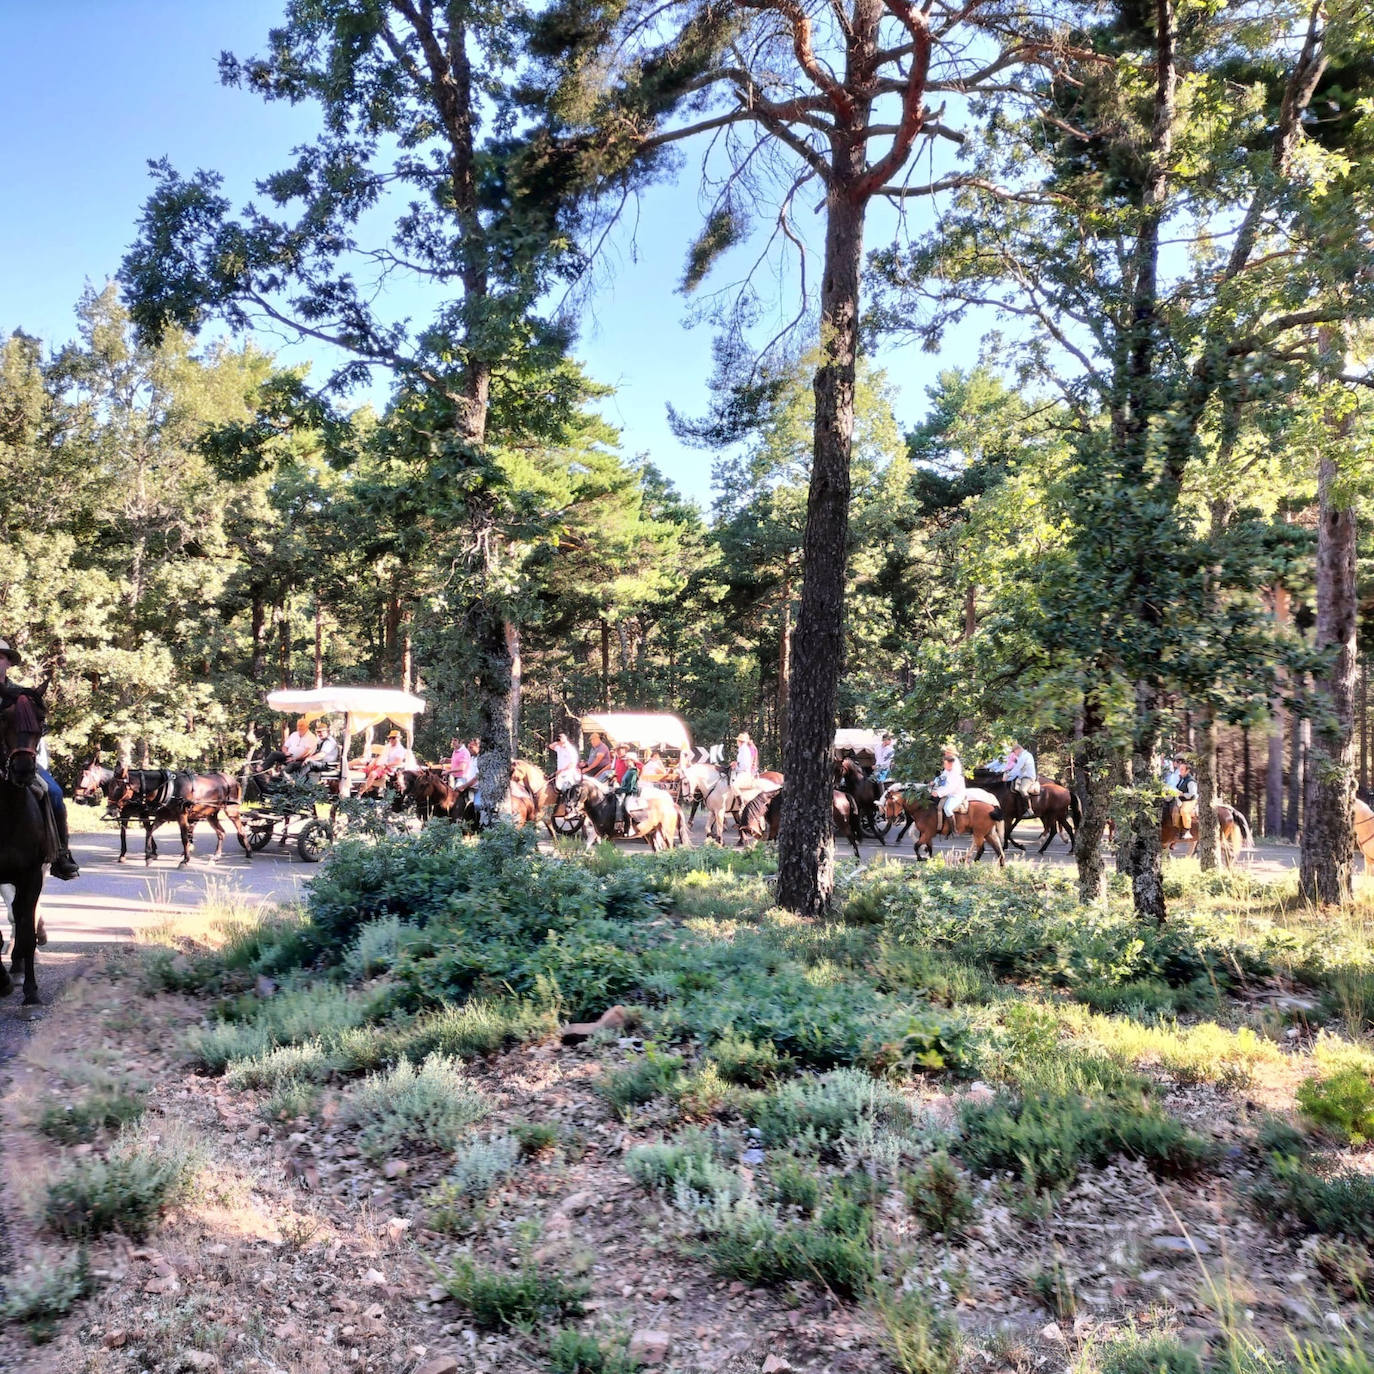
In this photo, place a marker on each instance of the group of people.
(307, 750)
(1017, 769)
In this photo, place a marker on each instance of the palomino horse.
(1364, 831)
(160, 796)
(1054, 806)
(982, 821)
(1233, 830)
(23, 832)
(533, 797)
(706, 784)
(660, 824)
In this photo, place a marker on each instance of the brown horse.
(434, 795)
(533, 797)
(159, 796)
(982, 822)
(1054, 806)
(758, 817)
(24, 840)
(1233, 830)
(660, 824)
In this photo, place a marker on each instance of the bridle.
(22, 720)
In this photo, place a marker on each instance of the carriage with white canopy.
(642, 730)
(363, 710)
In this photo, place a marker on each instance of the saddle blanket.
(977, 794)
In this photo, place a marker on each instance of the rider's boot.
(63, 866)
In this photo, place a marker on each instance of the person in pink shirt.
(458, 762)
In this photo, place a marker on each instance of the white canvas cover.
(642, 729)
(858, 739)
(367, 706)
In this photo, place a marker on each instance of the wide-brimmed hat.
(10, 652)
(393, 734)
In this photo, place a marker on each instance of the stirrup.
(64, 866)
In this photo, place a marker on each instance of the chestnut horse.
(1233, 830)
(23, 831)
(1054, 806)
(982, 821)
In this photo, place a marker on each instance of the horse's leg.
(1011, 825)
(997, 847)
(240, 830)
(149, 844)
(218, 828)
(26, 893)
(187, 828)
(123, 839)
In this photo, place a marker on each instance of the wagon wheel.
(314, 841)
(569, 825)
(881, 823)
(260, 835)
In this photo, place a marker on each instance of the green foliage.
(575, 1352)
(128, 1190)
(740, 1060)
(38, 1299)
(276, 1068)
(1342, 1104)
(920, 1340)
(1339, 1203)
(535, 1138)
(1051, 1286)
(795, 1184)
(686, 1169)
(104, 1108)
(426, 1108)
(817, 1113)
(927, 1043)
(500, 1301)
(1148, 1355)
(939, 1196)
(480, 1166)
(651, 1075)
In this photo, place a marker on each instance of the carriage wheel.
(881, 824)
(569, 825)
(315, 840)
(259, 837)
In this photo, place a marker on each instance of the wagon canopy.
(642, 729)
(858, 739)
(366, 706)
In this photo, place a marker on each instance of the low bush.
(920, 1339)
(1339, 1203)
(377, 948)
(651, 1075)
(939, 1196)
(128, 1190)
(686, 1169)
(741, 1060)
(1147, 1355)
(498, 1301)
(304, 1063)
(574, 1352)
(815, 1113)
(426, 1107)
(1052, 1287)
(1342, 1104)
(930, 974)
(291, 1099)
(704, 1093)
(105, 1108)
(794, 1184)
(456, 1203)
(37, 1299)
(535, 1138)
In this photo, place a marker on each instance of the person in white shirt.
(1172, 774)
(298, 747)
(950, 784)
(1019, 771)
(567, 771)
(746, 757)
(326, 755)
(882, 757)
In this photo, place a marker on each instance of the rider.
(458, 761)
(1171, 774)
(566, 774)
(654, 770)
(1018, 769)
(622, 762)
(882, 758)
(746, 757)
(63, 865)
(1186, 787)
(466, 781)
(950, 784)
(627, 794)
(598, 757)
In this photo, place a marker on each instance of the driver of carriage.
(950, 784)
(63, 865)
(567, 774)
(326, 755)
(598, 757)
(1018, 769)
(296, 748)
(883, 756)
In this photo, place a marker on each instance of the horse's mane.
(28, 708)
(533, 777)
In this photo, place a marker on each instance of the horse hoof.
(6, 987)
(185, 863)
(32, 999)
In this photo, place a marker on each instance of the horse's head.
(90, 790)
(894, 804)
(21, 732)
(120, 790)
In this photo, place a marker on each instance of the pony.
(660, 824)
(1054, 806)
(866, 791)
(24, 839)
(533, 797)
(706, 784)
(981, 821)
(159, 796)
(1233, 830)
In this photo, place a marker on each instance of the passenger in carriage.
(326, 755)
(599, 761)
(654, 769)
(882, 758)
(396, 757)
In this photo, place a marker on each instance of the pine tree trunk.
(1273, 778)
(806, 852)
(319, 640)
(1096, 775)
(605, 665)
(1206, 759)
(784, 658)
(1297, 755)
(517, 671)
(284, 644)
(1140, 854)
(257, 663)
(498, 698)
(1324, 871)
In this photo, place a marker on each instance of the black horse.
(23, 832)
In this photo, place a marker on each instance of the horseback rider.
(1186, 787)
(746, 757)
(63, 865)
(882, 757)
(466, 781)
(567, 772)
(627, 798)
(598, 757)
(1171, 774)
(950, 785)
(1018, 770)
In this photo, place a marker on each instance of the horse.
(433, 795)
(760, 815)
(533, 797)
(1054, 806)
(1364, 831)
(981, 821)
(706, 784)
(24, 839)
(1233, 830)
(866, 791)
(660, 824)
(160, 796)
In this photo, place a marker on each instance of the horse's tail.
(1247, 837)
(684, 832)
(995, 814)
(1075, 808)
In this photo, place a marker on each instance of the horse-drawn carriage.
(291, 811)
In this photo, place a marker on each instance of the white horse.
(706, 782)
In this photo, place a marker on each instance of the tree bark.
(1140, 854)
(1273, 777)
(257, 663)
(784, 658)
(1097, 773)
(1324, 870)
(1297, 758)
(806, 851)
(284, 644)
(319, 640)
(517, 669)
(605, 665)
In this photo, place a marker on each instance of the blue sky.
(90, 90)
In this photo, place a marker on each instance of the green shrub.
(480, 1026)
(102, 1109)
(939, 1196)
(1333, 1204)
(479, 1167)
(377, 948)
(705, 1093)
(926, 1043)
(498, 1301)
(817, 1112)
(686, 1169)
(305, 1063)
(920, 1340)
(1350, 1358)
(751, 1065)
(36, 1300)
(1147, 1355)
(426, 1107)
(535, 1138)
(127, 1190)
(291, 1099)
(795, 1185)
(1342, 1104)
(651, 1075)
(573, 1352)
(1277, 1136)
(1052, 1287)
(932, 975)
